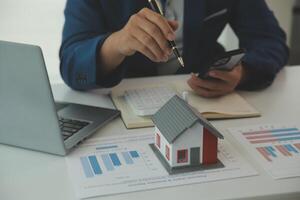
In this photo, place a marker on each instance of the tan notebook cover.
(226, 107)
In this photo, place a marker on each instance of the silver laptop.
(29, 117)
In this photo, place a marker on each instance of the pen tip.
(181, 62)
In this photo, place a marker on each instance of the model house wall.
(209, 148)
(161, 145)
(192, 137)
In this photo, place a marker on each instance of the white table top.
(30, 175)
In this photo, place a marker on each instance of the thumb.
(174, 24)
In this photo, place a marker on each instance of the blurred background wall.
(40, 22)
(295, 35)
(37, 22)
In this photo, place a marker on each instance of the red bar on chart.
(297, 145)
(264, 153)
(263, 141)
(256, 132)
(283, 150)
(260, 137)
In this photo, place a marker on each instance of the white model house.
(183, 137)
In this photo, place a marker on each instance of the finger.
(195, 79)
(194, 76)
(227, 76)
(160, 21)
(140, 47)
(147, 41)
(174, 24)
(207, 93)
(153, 31)
(209, 84)
(214, 85)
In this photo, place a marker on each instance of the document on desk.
(275, 147)
(125, 164)
(229, 106)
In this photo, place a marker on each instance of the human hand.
(224, 82)
(147, 32)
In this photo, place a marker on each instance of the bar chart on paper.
(275, 147)
(126, 163)
(101, 163)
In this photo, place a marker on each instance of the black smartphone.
(225, 62)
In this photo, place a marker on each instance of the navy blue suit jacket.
(89, 22)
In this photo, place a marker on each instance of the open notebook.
(226, 107)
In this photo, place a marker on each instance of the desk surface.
(32, 175)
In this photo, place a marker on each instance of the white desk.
(31, 175)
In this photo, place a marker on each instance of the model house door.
(195, 156)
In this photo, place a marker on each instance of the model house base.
(183, 169)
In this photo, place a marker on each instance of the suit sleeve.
(85, 30)
(260, 34)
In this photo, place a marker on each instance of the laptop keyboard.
(69, 126)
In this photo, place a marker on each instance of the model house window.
(167, 152)
(182, 156)
(157, 140)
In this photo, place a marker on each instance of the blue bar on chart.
(134, 154)
(271, 150)
(107, 162)
(86, 167)
(290, 148)
(95, 165)
(115, 159)
(127, 158)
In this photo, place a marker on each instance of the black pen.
(155, 6)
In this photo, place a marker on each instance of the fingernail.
(171, 36)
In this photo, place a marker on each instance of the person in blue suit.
(105, 41)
